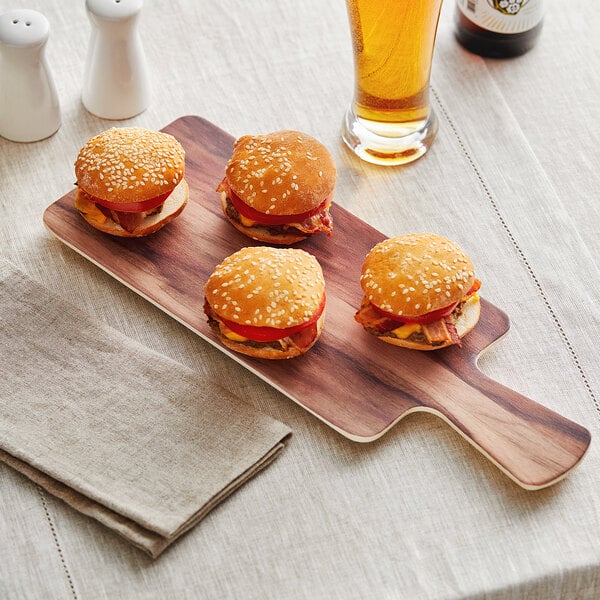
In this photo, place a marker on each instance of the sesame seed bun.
(279, 174)
(296, 170)
(260, 286)
(267, 287)
(411, 275)
(129, 164)
(130, 181)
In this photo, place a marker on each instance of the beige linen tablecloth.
(418, 514)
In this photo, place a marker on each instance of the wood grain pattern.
(358, 385)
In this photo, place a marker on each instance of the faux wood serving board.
(353, 382)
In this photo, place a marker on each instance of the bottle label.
(503, 16)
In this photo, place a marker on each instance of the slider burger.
(278, 187)
(420, 292)
(267, 302)
(130, 181)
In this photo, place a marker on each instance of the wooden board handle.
(532, 444)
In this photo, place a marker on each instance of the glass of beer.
(390, 121)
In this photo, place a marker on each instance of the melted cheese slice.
(405, 330)
(474, 297)
(230, 335)
(245, 221)
(89, 208)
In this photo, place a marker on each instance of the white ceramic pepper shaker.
(29, 106)
(116, 83)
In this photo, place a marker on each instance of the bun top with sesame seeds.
(411, 275)
(281, 173)
(267, 287)
(129, 164)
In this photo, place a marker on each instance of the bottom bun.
(173, 205)
(271, 352)
(464, 323)
(262, 233)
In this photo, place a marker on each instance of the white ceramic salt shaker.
(116, 82)
(29, 106)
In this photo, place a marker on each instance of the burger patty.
(320, 222)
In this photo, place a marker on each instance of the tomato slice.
(132, 207)
(474, 288)
(264, 219)
(270, 334)
(430, 317)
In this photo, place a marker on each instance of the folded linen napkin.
(119, 432)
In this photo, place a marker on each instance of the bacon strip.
(451, 327)
(436, 332)
(302, 339)
(128, 221)
(370, 319)
(320, 222)
(441, 332)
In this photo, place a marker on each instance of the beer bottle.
(498, 28)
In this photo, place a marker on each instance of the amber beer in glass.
(390, 120)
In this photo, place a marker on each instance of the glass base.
(388, 143)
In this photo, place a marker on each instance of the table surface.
(512, 177)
